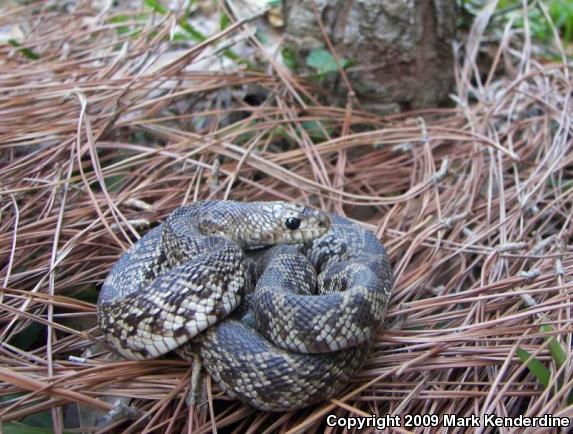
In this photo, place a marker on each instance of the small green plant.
(290, 58)
(21, 428)
(156, 6)
(190, 32)
(323, 62)
(560, 11)
(318, 131)
(538, 369)
(224, 21)
(26, 52)
(126, 30)
(39, 423)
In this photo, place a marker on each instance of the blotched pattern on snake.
(280, 301)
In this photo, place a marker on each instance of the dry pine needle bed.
(103, 132)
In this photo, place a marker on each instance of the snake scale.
(280, 301)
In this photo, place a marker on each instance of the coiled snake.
(296, 339)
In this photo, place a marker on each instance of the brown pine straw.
(102, 137)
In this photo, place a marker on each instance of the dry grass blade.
(108, 127)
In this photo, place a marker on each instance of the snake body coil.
(310, 304)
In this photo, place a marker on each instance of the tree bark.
(401, 50)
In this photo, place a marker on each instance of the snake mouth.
(299, 236)
(311, 235)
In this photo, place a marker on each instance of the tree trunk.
(400, 50)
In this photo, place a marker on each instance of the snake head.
(272, 223)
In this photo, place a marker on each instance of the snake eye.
(292, 223)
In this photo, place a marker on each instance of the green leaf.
(37, 423)
(156, 6)
(290, 58)
(26, 52)
(38, 420)
(181, 36)
(114, 183)
(262, 37)
(119, 19)
(194, 33)
(12, 396)
(224, 21)
(20, 428)
(535, 366)
(557, 352)
(314, 130)
(321, 60)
